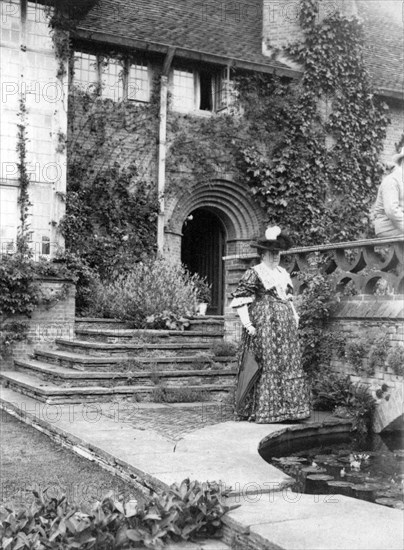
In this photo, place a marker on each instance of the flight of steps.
(107, 361)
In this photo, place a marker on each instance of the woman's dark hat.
(273, 239)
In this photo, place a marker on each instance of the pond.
(370, 468)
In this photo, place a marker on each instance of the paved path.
(157, 445)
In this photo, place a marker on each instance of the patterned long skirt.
(281, 392)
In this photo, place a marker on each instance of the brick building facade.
(190, 48)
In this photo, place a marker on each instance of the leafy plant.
(378, 353)
(395, 359)
(154, 289)
(315, 305)
(10, 333)
(333, 392)
(167, 320)
(186, 510)
(355, 352)
(203, 289)
(111, 224)
(19, 289)
(23, 237)
(287, 177)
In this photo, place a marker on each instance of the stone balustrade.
(370, 267)
(364, 267)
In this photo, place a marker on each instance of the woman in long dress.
(263, 300)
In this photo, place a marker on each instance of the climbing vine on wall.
(111, 208)
(23, 235)
(307, 149)
(322, 191)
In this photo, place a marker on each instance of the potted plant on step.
(204, 292)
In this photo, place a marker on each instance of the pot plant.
(204, 290)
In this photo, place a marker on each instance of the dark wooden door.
(203, 245)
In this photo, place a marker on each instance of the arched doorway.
(202, 250)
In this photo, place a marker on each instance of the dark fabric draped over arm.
(247, 289)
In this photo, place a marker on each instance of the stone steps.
(115, 336)
(206, 323)
(47, 392)
(66, 377)
(120, 363)
(109, 361)
(130, 349)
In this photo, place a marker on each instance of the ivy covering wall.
(307, 150)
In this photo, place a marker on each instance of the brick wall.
(48, 322)
(368, 319)
(394, 131)
(234, 267)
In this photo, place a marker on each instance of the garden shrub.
(378, 352)
(155, 290)
(395, 359)
(19, 289)
(186, 510)
(315, 305)
(355, 352)
(346, 398)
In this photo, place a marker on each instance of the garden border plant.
(184, 512)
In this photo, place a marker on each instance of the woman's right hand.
(252, 331)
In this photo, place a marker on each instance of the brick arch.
(229, 200)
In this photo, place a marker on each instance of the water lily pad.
(341, 484)
(356, 474)
(323, 458)
(313, 470)
(320, 477)
(363, 487)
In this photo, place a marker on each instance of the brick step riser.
(130, 353)
(152, 365)
(124, 339)
(139, 396)
(183, 381)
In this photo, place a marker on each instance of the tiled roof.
(234, 30)
(226, 29)
(384, 39)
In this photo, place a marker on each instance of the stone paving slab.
(172, 422)
(146, 447)
(296, 521)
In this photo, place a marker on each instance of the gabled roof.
(233, 31)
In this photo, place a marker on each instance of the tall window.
(138, 83)
(223, 89)
(183, 90)
(112, 78)
(85, 71)
(200, 91)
